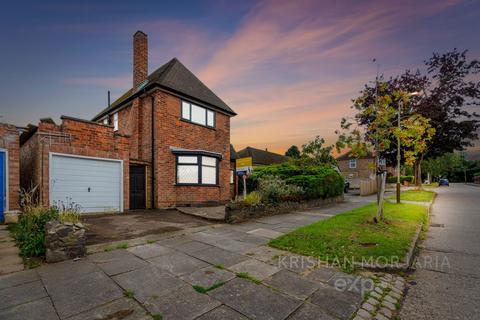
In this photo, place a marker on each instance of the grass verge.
(352, 236)
(416, 195)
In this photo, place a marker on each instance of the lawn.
(416, 195)
(353, 236)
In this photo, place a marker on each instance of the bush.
(393, 179)
(274, 189)
(30, 230)
(253, 198)
(315, 181)
(68, 211)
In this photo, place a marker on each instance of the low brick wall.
(237, 212)
(476, 179)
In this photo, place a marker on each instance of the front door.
(3, 185)
(137, 187)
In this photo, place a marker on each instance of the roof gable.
(175, 76)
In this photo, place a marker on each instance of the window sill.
(197, 124)
(196, 185)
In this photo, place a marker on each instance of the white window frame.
(199, 164)
(115, 121)
(105, 121)
(352, 163)
(188, 116)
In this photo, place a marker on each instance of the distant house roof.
(173, 76)
(348, 156)
(233, 153)
(261, 157)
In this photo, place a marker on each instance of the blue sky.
(288, 68)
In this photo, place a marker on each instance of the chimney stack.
(140, 58)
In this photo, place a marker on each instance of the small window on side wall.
(352, 164)
(115, 121)
(105, 121)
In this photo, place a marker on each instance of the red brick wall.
(9, 140)
(72, 137)
(170, 131)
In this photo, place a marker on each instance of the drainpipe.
(152, 178)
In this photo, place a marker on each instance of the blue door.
(3, 195)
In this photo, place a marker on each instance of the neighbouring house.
(163, 143)
(261, 157)
(9, 168)
(355, 169)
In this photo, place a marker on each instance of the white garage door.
(94, 184)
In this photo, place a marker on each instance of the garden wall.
(238, 212)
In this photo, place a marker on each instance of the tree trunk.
(381, 179)
(418, 172)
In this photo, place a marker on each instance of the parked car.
(443, 182)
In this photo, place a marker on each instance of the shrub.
(273, 189)
(253, 198)
(30, 230)
(393, 179)
(321, 181)
(68, 211)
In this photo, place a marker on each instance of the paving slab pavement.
(158, 278)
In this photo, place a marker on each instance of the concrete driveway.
(448, 275)
(158, 279)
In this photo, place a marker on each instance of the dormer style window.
(198, 115)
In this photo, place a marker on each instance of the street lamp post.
(398, 142)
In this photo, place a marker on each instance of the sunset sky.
(288, 68)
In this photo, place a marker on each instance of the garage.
(95, 184)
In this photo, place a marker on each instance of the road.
(448, 271)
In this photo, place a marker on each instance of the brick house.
(355, 169)
(9, 168)
(169, 135)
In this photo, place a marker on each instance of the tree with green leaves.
(315, 153)
(376, 134)
(450, 90)
(293, 152)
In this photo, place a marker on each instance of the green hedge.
(393, 179)
(316, 181)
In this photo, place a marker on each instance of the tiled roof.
(174, 76)
(261, 157)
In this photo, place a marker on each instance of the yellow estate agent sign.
(244, 164)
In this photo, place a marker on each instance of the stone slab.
(297, 263)
(265, 254)
(208, 276)
(292, 284)
(178, 263)
(210, 213)
(117, 261)
(192, 246)
(15, 279)
(255, 268)
(340, 303)
(148, 251)
(322, 273)
(124, 309)
(41, 309)
(217, 256)
(66, 270)
(148, 282)
(267, 233)
(255, 301)
(310, 311)
(235, 245)
(182, 304)
(77, 294)
(222, 313)
(21, 294)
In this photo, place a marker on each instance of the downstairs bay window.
(197, 170)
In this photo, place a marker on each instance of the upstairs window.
(352, 164)
(115, 121)
(197, 170)
(198, 115)
(105, 121)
